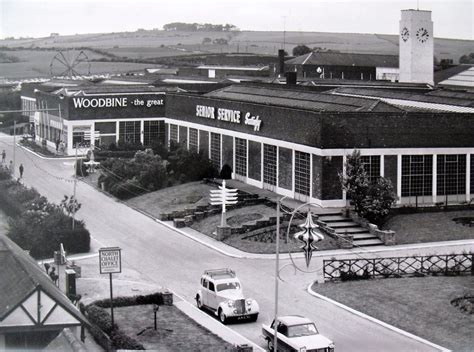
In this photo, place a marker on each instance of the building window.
(80, 138)
(193, 140)
(241, 156)
(371, 165)
(451, 174)
(153, 132)
(269, 164)
(216, 150)
(302, 173)
(174, 133)
(417, 175)
(129, 131)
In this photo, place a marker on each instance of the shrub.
(121, 341)
(100, 317)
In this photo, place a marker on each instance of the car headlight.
(230, 304)
(303, 349)
(249, 302)
(332, 345)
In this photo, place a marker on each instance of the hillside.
(144, 45)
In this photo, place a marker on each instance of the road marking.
(376, 321)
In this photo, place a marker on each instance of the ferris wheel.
(70, 63)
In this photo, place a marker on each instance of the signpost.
(110, 261)
(223, 196)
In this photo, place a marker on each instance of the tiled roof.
(345, 59)
(297, 98)
(20, 275)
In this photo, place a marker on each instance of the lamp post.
(309, 235)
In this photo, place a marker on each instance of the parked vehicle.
(296, 333)
(221, 293)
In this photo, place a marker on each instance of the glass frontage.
(241, 157)
(451, 174)
(371, 164)
(153, 132)
(174, 133)
(216, 150)
(193, 140)
(129, 131)
(417, 175)
(302, 173)
(269, 164)
(472, 173)
(81, 136)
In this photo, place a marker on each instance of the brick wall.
(390, 171)
(285, 170)
(204, 143)
(331, 186)
(255, 155)
(228, 151)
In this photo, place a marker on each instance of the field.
(148, 44)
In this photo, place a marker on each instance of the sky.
(39, 18)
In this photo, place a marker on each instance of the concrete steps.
(342, 225)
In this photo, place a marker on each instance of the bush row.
(37, 225)
(101, 321)
(154, 298)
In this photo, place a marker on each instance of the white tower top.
(416, 47)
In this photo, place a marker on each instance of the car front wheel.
(198, 302)
(222, 316)
(270, 344)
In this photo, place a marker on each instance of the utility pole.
(14, 147)
(75, 184)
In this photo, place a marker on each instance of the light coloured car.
(296, 333)
(220, 291)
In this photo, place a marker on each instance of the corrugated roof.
(20, 276)
(464, 78)
(345, 59)
(296, 98)
(407, 96)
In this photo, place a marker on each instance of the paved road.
(169, 259)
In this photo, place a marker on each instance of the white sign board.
(110, 260)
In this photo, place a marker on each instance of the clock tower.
(416, 47)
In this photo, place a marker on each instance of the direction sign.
(110, 260)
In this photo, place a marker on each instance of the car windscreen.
(302, 330)
(228, 286)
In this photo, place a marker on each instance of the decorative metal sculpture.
(309, 236)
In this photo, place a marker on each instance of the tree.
(378, 201)
(372, 201)
(467, 59)
(301, 50)
(356, 181)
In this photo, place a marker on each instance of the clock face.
(405, 34)
(422, 34)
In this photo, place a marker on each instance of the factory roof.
(344, 59)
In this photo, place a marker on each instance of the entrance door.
(269, 167)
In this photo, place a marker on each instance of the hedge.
(101, 319)
(154, 298)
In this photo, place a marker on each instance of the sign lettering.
(110, 260)
(228, 115)
(122, 102)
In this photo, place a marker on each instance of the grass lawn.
(420, 306)
(175, 331)
(430, 227)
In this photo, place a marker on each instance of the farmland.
(151, 44)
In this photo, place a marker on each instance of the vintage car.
(221, 292)
(296, 333)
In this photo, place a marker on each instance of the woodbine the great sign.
(113, 102)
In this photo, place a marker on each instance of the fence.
(351, 269)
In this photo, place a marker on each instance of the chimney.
(281, 62)
(290, 77)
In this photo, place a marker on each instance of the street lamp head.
(309, 235)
